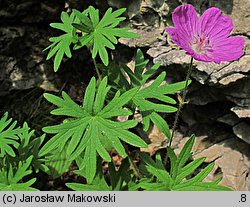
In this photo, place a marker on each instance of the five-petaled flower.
(206, 39)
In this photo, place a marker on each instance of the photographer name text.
(70, 198)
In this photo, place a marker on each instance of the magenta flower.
(205, 39)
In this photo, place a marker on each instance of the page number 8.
(243, 198)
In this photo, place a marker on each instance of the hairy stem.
(181, 102)
(134, 166)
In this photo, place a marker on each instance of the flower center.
(201, 44)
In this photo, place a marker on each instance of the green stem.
(182, 101)
(96, 69)
(95, 64)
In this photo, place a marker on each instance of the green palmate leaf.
(149, 109)
(123, 78)
(120, 179)
(145, 99)
(98, 184)
(57, 163)
(60, 45)
(85, 187)
(30, 145)
(8, 136)
(12, 181)
(200, 186)
(102, 32)
(183, 157)
(177, 178)
(139, 76)
(93, 129)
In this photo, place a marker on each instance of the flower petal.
(179, 39)
(214, 25)
(228, 49)
(172, 32)
(185, 21)
(200, 57)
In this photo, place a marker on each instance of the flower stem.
(181, 102)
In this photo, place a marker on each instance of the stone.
(230, 119)
(240, 16)
(30, 11)
(239, 93)
(156, 51)
(241, 112)
(232, 8)
(22, 59)
(154, 13)
(172, 57)
(231, 159)
(242, 130)
(148, 37)
(203, 94)
(232, 72)
(156, 139)
(231, 78)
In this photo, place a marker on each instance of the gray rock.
(238, 10)
(231, 78)
(175, 56)
(148, 36)
(158, 50)
(205, 73)
(231, 157)
(239, 93)
(232, 72)
(154, 13)
(242, 130)
(230, 119)
(30, 11)
(22, 59)
(241, 112)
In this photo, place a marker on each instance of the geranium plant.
(90, 131)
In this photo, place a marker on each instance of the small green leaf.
(84, 187)
(8, 136)
(188, 169)
(155, 168)
(60, 45)
(184, 155)
(12, 181)
(98, 183)
(102, 32)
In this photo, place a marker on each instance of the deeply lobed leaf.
(60, 45)
(151, 99)
(11, 181)
(92, 129)
(177, 178)
(102, 33)
(8, 136)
